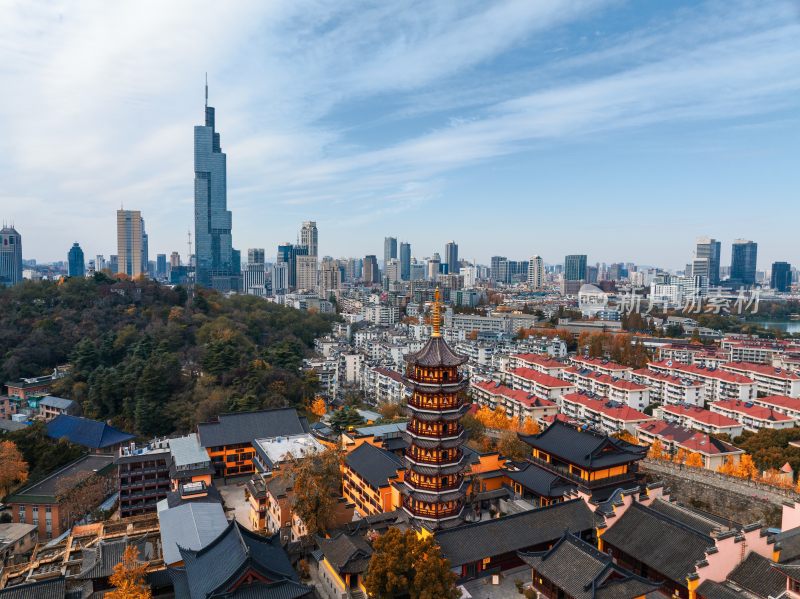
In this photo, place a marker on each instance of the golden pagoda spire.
(436, 317)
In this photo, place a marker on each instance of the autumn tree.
(80, 493)
(728, 467)
(404, 565)
(680, 456)
(317, 487)
(390, 410)
(318, 407)
(128, 578)
(694, 460)
(627, 437)
(656, 451)
(510, 446)
(746, 468)
(13, 467)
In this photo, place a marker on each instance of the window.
(22, 513)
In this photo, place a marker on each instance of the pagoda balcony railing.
(438, 415)
(453, 386)
(435, 513)
(454, 458)
(435, 405)
(435, 432)
(452, 377)
(435, 486)
(436, 442)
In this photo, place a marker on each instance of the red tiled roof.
(392, 374)
(782, 401)
(543, 379)
(762, 369)
(540, 360)
(700, 415)
(606, 407)
(600, 363)
(522, 397)
(687, 438)
(667, 378)
(759, 412)
(616, 383)
(722, 375)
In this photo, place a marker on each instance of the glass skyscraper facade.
(218, 265)
(405, 261)
(744, 254)
(575, 267)
(10, 256)
(76, 266)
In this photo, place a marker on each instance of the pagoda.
(434, 488)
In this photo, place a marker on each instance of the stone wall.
(739, 500)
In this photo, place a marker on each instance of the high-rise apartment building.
(392, 270)
(781, 278)
(575, 267)
(330, 277)
(76, 266)
(129, 243)
(218, 265)
(309, 237)
(405, 261)
(306, 272)
(434, 263)
(10, 256)
(536, 273)
(389, 249)
(709, 249)
(451, 257)
(280, 278)
(372, 273)
(744, 254)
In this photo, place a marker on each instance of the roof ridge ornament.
(436, 317)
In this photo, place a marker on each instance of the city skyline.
(629, 95)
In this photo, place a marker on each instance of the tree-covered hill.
(148, 360)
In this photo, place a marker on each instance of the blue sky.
(623, 130)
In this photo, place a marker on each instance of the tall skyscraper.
(372, 273)
(217, 263)
(451, 257)
(434, 264)
(330, 277)
(145, 249)
(280, 278)
(306, 272)
(309, 237)
(389, 249)
(254, 276)
(174, 260)
(129, 243)
(575, 267)
(536, 273)
(76, 267)
(710, 249)
(161, 266)
(113, 264)
(499, 269)
(256, 256)
(781, 278)
(100, 263)
(10, 256)
(744, 254)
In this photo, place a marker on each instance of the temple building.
(434, 487)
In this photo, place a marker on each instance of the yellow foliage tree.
(514, 424)
(13, 467)
(656, 451)
(318, 407)
(530, 427)
(680, 456)
(746, 468)
(499, 419)
(128, 578)
(728, 467)
(695, 460)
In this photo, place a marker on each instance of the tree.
(680, 456)
(317, 487)
(79, 493)
(656, 451)
(403, 565)
(746, 468)
(728, 467)
(318, 407)
(13, 467)
(510, 446)
(390, 411)
(345, 418)
(128, 578)
(530, 427)
(627, 437)
(695, 460)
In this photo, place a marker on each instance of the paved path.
(233, 496)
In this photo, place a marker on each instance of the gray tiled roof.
(59, 403)
(436, 353)
(718, 590)
(757, 574)
(705, 523)
(527, 530)
(244, 427)
(540, 481)
(678, 549)
(373, 464)
(584, 448)
(46, 589)
(788, 542)
(348, 553)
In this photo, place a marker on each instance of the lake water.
(790, 326)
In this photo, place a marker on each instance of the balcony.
(434, 431)
(439, 404)
(435, 512)
(601, 482)
(416, 482)
(434, 457)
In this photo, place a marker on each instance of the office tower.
(536, 273)
(129, 243)
(280, 278)
(309, 237)
(100, 263)
(499, 269)
(306, 272)
(517, 271)
(256, 256)
(434, 490)
(10, 256)
(405, 261)
(161, 266)
(781, 279)
(744, 254)
(709, 249)
(254, 275)
(615, 272)
(451, 257)
(591, 275)
(389, 249)
(418, 271)
(575, 267)
(330, 277)
(288, 253)
(76, 266)
(145, 250)
(433, 267)
(701, 267)
(217, 264)
(113, 264)
(372, 273)
(393, 270)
